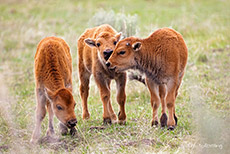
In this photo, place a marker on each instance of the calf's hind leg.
(155, 99)
(84, 90)
(170, 100)
(178, 86)
(162, 92)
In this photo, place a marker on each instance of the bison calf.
(162, 57)
(53, 72)
(95, 46)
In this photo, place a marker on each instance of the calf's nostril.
(72, 122)
(108, 52)
(105, 53)
(75, 121)
(107, 64)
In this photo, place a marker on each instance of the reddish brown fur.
(53, 81)
(162, 57)
(91, 60)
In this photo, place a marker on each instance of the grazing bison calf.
(53, 71)
(162, 57)
(95, 46)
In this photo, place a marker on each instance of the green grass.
(203, 103)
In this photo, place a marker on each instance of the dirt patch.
(4, 148)
(48, 139)
(60, 144)
(221, 49)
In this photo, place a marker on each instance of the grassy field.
(203, 103)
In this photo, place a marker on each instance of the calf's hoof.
(33, 141)
(113, 119)
(63, 129)
(121, 119)
(155, 123)
(50, 132)
(163, 120)
(107, 121)
(85, 116)
(122, 122)
(73, 131)
(171, 127)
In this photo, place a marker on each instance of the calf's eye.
(98, 44)
(115, 42)
(121, 52)
(59, 107)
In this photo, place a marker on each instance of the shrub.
(127, 24)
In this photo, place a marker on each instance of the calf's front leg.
(40, 115)
(121, 97)
(108, 114)
(163, 93)
(50, 130)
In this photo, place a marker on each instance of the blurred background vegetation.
(203, 103)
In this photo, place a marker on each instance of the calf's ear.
(118, 36)
(137, 46)
(49, 94)
(90, 42)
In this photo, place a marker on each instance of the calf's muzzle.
(107, 53)
(72, 122)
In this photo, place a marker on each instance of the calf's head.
(63, 105)
(105, 44)
(124, 54)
